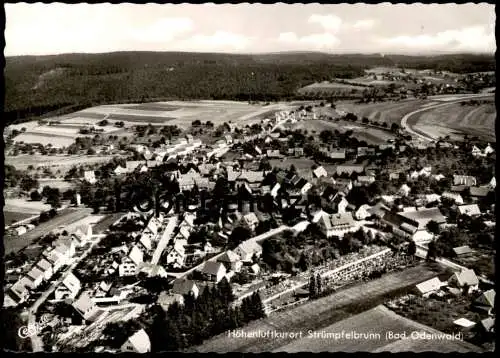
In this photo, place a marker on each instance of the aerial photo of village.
(273, 192)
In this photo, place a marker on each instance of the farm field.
(323, 312)
(25, 206)
(62, 162)
(361, 132)
(456, 120)
(64, 218)
(376, 322)
(11, 217)
(389, 112)
(331, 87)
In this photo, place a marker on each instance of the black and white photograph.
(249, 178)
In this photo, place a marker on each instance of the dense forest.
(54, 85)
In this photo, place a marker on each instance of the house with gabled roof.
(250, 220)
(139, 342)
(479, 191)
(86, 307)
(336, 224)
(214, 271)
(429, 287)
(247, 250)
(185, 287)
(457, 198)
(231, 260)
(464, 278)
(176, 256)
(486, 301)
(469, 210)
(320, 172)
(350, 169)
(130, 263)
(69, 287)
(466, 180)
(46, 267)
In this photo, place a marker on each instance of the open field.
(63, 218)
(369, 134)
(389, 112)
(323, 312)
(25, 206)
(375, 324)
(62, 162)
(14, 216)
(57, 141)
(330, 88)
(456, 120)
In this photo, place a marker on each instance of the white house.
(139, 342)
(404, 190)
(362, 213)
(176, 256)
(231, 260)
(250, 220)
(86, 307)
(469, 210)
(130, 264)
(247, 250)
(36, 275)
(185, 287)
(89, 176)
(428, 287)
(46, 267)
(320, 172)
(336, 224)
(463, 278)
(214, 271)
(457, 198)
(69, 287)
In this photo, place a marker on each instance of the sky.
(44, 29)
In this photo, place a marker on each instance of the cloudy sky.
(39, 29)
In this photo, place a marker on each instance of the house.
(228, 139)
(486, 301)
(185, 287)
(493, 183)
(429, 287)
(82, 235)
(176, 256)
(464, 278)
(130, 263)
(469, 210)
(69, 287)
(487, 327)
(89, 176)
(320, 172)
(422, 216)
(336, 224)
(343, 185)
(362, 213)
(247, 250)
(145, 241)
(339, 204)
(214, 271)
(488, 150)
(298, 152)
(465, 180)
(463, 250)
(464, 322)
(479, 191)
(365, 179)
(250, 220)
(166, 299)
(273, 153)
(394, 175)
(457, 198)
(432, 198)
(139, 342)
(404, 190)
(20, 230)
(231, 260)
(119, 170)
(45, 267)
(365, 151)
(86, 307)
(349, 169)
(334, 153)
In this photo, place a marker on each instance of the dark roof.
(212, 268)
(183, 287)
(479, 191)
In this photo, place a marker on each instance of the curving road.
(456, 99)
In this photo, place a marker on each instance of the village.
(287, 216)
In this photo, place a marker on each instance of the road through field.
(322, 312)
(424, 136)
(71, 215)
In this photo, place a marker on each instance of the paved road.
(36, 341)
(453, 100)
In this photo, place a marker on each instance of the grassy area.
(13, 216)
